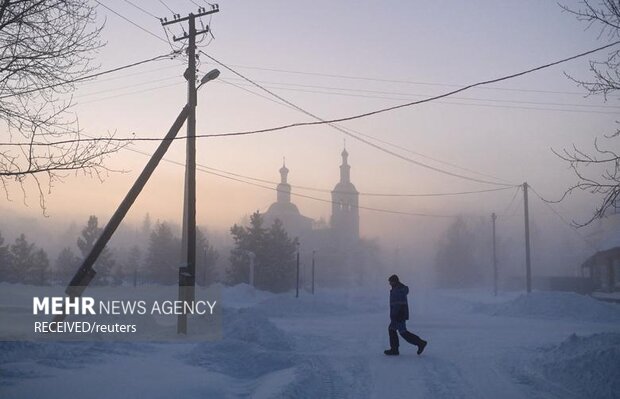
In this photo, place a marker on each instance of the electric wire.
(401, 81)
(166, 5)
(203, 169)
(512, 201)
(91, 76)
(143, 10)
(367, 135)
(409, 104)
(356, 137)
(341, 89)
(121, 95)
(564, 221)
(131, 22)
(382, 110)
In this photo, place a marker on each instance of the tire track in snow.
(443, 379)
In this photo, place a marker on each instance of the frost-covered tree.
(455, 261)
(5, 258)
(246, 239)
(28, 264)
(206, 259)
(66, 265)
(133, 262)
(163, 258)
(274, 251)
(276, 272)
(105, 262)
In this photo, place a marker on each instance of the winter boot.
(421, 347)
(391, 352)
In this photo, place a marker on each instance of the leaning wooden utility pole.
(528, 266)
(187, 272)
(86, 273)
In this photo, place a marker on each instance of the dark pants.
(402, 329)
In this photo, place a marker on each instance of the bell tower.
(345, 211)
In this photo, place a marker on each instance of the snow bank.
(241, 295)
(17, 358)
(589, 366)
(555, 305)
(251, 326)
(251, 347)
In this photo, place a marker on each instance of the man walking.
(399, 313)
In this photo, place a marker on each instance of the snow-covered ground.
(545, 345)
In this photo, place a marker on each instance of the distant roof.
(601, 255)
(283, 208)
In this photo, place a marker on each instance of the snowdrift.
(555, 305)
(589, 366)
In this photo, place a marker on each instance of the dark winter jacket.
(399, 308)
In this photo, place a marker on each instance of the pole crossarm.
(177, 19)
(187, 36)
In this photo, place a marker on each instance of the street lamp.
(212, 75)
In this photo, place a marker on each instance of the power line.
(429, 99)
(143, 10)
(367, 135)
(588, 111)
(166, 5)
(204, 169)
(505, 213)
(417, 95)
(141, 73)
(357, 116)
(131, 22)
(401, 81)
(348, 133)
(564, 221)
(364, 194)
(409, 104)
(123, 95)
(94, 75)
(115, 89)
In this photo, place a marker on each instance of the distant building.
(294, 222)
(337, 246)
(345, 220)
(603, 267)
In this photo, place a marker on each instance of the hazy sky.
(411, 49)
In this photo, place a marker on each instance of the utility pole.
(494, 217)
(252, 257)
(297, 285)
(187, 272)
(313, 251)
(528, 266)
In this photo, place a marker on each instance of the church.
(337, 247)
(344, 221)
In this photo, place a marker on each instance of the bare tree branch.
(45, 47)
(605, 162)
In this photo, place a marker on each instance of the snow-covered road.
(331, 346)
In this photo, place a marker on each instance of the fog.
(327, 64)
